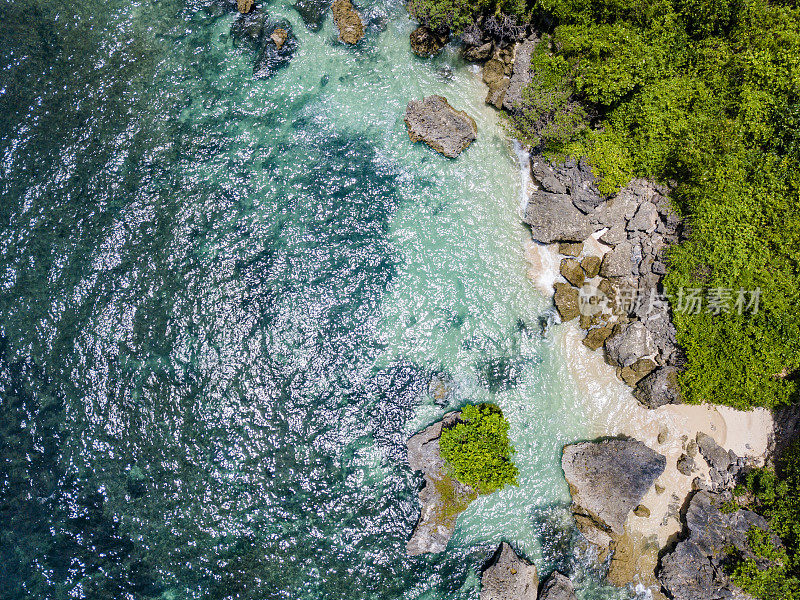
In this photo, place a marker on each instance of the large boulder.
(442, 497)
(608, 479)
(696, 568)
(348, 21)
(659, 388)
(554, 218)
(521, 74)
(442, 127)
(509, 577)
(617, 261)
(566, 300)
(631, 343)
(426, 42)
(557, 587)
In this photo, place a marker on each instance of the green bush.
(704, 94)
(777, 497)
(477, 450)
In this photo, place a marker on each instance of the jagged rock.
(546, 178)
(497, 92)
(244, 6)
(279, 37)
(521, 74)
(615, 235)
(659, 388)
(478, 53)
(696, 568)
(493, 72)
(313, 12)
(629, 345)
(571, 271)
(591, 266)
(566, 301)
(443, 128)
(644, 219)
(442, 498)
(608, 479)
(348, 21)
(686, 465)
(716, 456)
(557, 587)
(596, 337)
(509, 577)
(642, 511)
(617, 261)
(637, 371)
(426, 42)
(554, 218)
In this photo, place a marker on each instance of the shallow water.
(222, 300)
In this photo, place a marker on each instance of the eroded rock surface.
(273, 42)
(695, 569)
(557, 587)
(442, 497)
(521, 73)
(509, 577)
(426, 43)
(608, 479)
(443, 128)
(348, 21)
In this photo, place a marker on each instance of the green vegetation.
(704, 94)
(777, 497)
(477, 450)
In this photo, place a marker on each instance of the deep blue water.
(207, 372)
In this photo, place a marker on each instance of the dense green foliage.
(477, 450)
(777, 497)
(456, 15)
(704, 94)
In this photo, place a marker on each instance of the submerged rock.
(443, 498)
(426, 42)
(443, 128)
(696, 567)
(557, 587)
(509, 577)
(348, 21)
(608, 479)
(273, 41)
(313, 12)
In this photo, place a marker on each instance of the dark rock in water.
(608, 479)
(695, 569)
(273, 41)
(244, 6)
(441, 388)
(500, 374)
(272, 58)
(443, 498)
(509, 577)
(557, 587)
(426, 42)
(348, 21)
(443, 128)
(313, 12)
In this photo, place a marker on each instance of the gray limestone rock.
(521, 75)
(509, 577)
(557, 587)
(659, 388)
(617, 261)
(443, 128)
(608, 479)
(629, 345)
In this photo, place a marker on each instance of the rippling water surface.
(221, 303)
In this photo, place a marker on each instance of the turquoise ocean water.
(222, 299)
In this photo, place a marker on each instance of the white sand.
(612, 410)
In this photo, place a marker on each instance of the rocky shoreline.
(612, 260)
